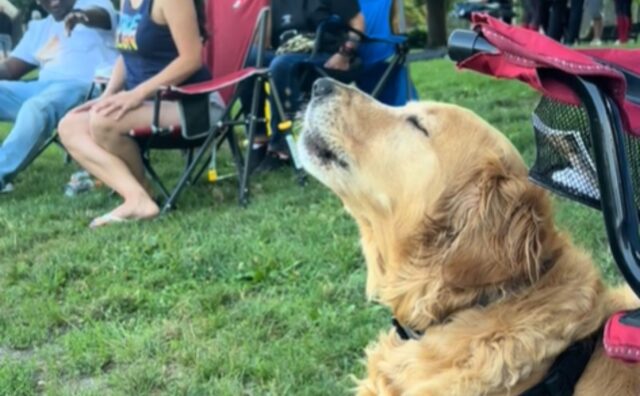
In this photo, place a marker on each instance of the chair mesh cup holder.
(564, 160)
(198, 115)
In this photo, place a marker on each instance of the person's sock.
(622, 28)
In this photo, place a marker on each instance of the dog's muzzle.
(323, 88)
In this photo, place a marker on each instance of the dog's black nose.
(323, 87)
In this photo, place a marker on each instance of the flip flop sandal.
(106, 219)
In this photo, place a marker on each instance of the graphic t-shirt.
(147, 47)
(76, 57)
(127, 28)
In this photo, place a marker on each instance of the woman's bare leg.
(101, 145)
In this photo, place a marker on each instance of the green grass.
(211, 299)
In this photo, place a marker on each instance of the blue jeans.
(35, 108)
(287, 72)
(6, 44)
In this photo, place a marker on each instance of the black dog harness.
(564, 373)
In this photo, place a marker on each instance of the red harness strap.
(622, 336)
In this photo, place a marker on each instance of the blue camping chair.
(382, 70)
(385, 72)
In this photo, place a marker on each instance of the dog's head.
(447, 190)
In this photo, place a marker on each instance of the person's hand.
(73, 19)
(119, 104)
(337, 62)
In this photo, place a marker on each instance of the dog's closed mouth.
(319, 148)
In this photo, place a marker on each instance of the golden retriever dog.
(461, 247)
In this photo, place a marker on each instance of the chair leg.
(200, 171)
(216, 147)
(409, 86)
(155, 179)
(52, 139)
(385, 76)
(186, 176)
(297, 165)
(188, 162)
(252, 121)
(236, 152)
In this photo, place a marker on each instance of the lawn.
(212, 299)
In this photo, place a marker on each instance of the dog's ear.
(497, 222)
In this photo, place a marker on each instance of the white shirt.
(77, 57)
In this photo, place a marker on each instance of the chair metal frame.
(619, 210)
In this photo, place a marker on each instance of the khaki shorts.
(593, 9)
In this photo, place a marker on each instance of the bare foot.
(138, 208)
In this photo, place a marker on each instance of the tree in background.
(436, 18)
(437, 23)
(433, 14)
(415, 13)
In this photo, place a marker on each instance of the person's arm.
(114, 86)
(357, 23)
(14, 68)
(22, 59)
(94, 17)
(342, 59)
(116, 80)
(182, 22)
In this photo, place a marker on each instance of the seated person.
(292, 18)
(161, 44)
(67, 51)
(6, 29)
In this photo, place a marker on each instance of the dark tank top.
(147, 47)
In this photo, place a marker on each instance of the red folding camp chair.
(233, 26)
(587, 129)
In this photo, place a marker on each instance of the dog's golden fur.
(459, 244)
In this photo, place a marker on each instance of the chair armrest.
(218, 83)
(101, 80)
(174, 93)
(391, 39)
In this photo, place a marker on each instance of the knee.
(101, 128)
(40, 111)
(282, 65)
(278, 63)
(70, 126)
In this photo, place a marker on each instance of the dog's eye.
(413, 120)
